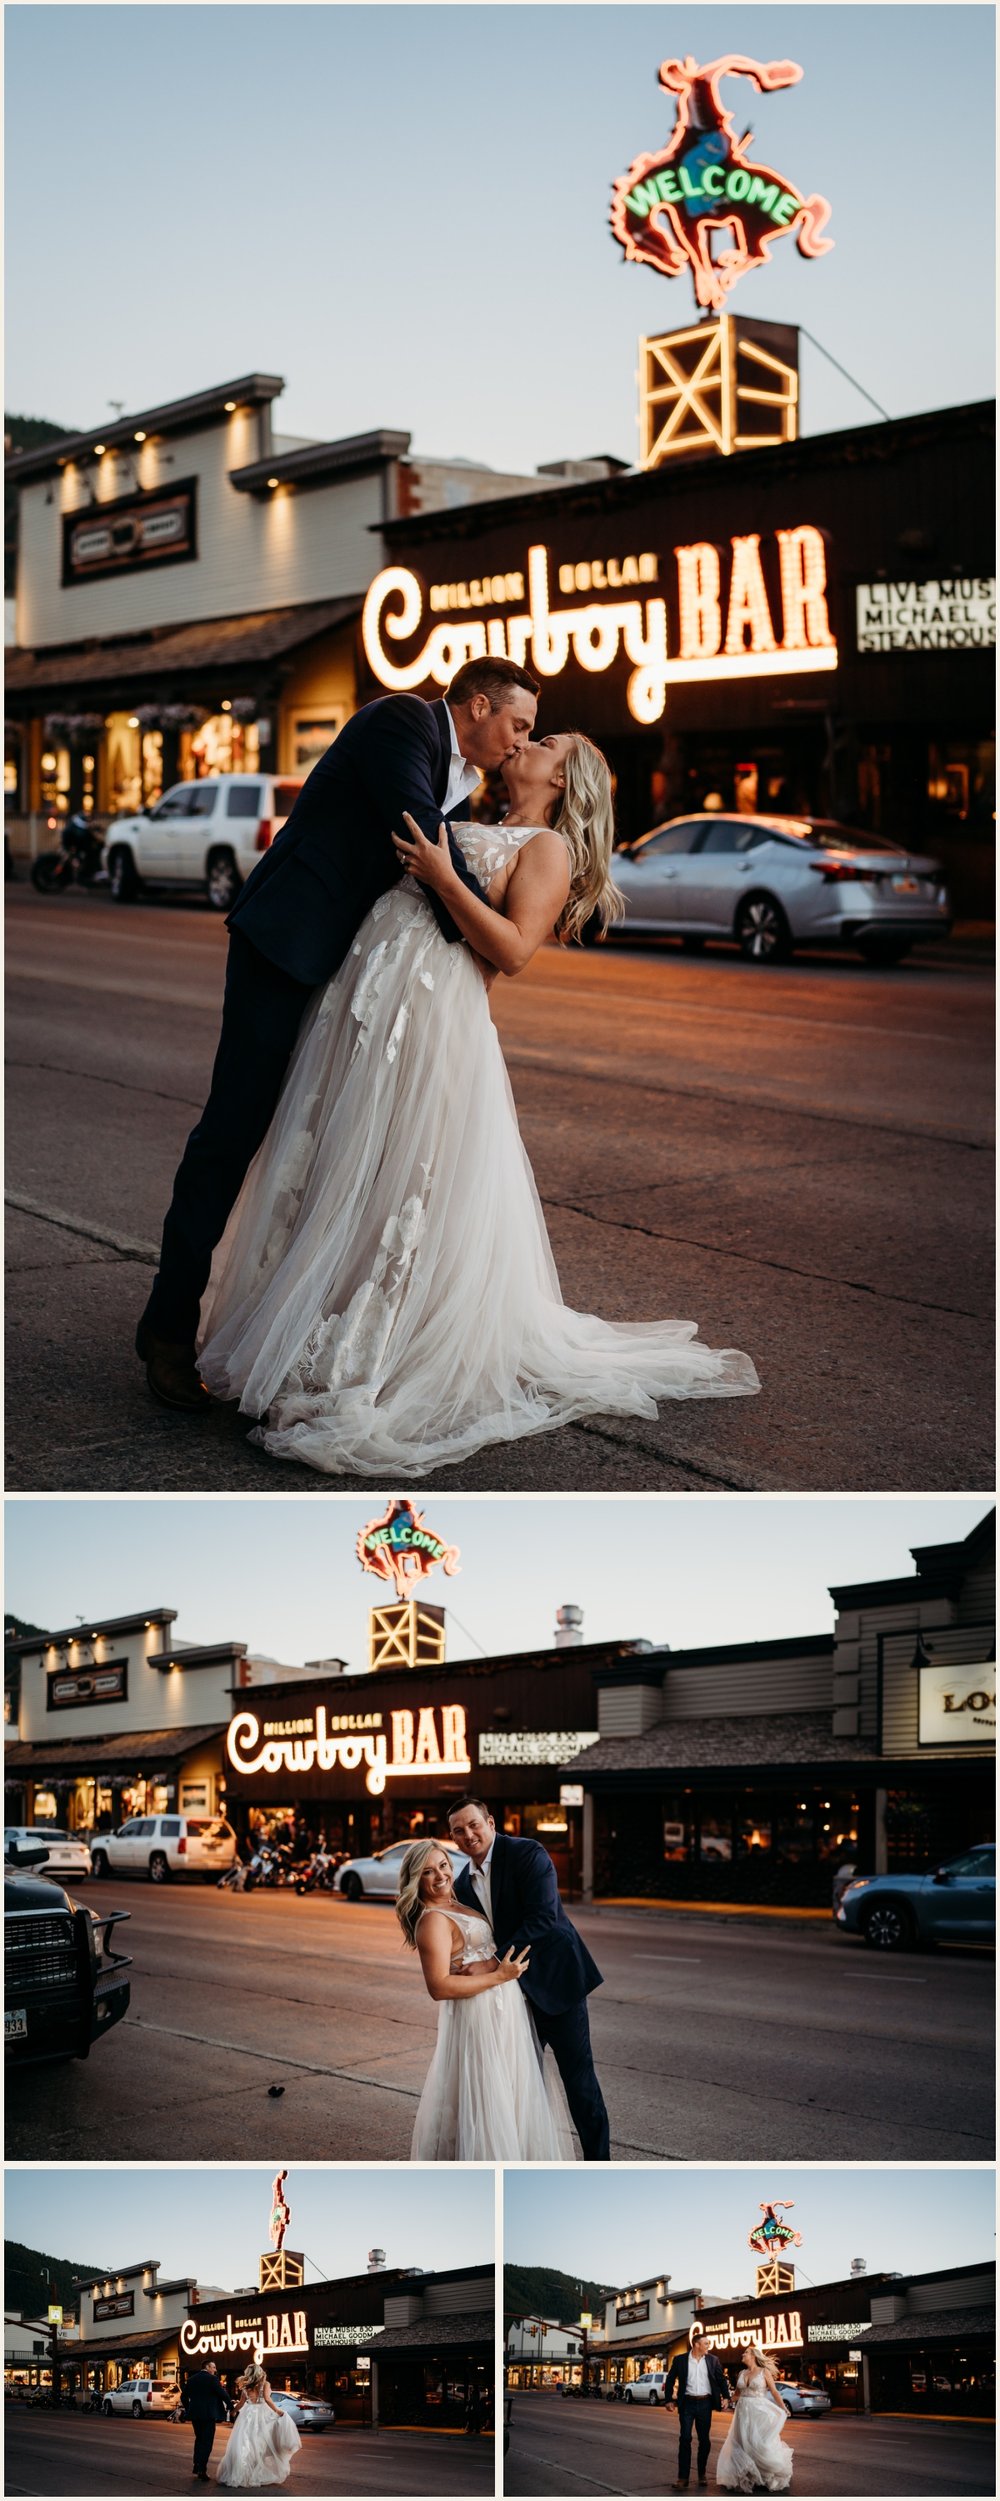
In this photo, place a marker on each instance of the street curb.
(705, 1910)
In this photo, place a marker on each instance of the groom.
(701, 2385)
(203, 2405)
(515, 1883)
(290, 929)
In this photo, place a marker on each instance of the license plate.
(15, 2023)
(906, 885)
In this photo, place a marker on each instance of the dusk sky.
(623, 2226)
(403, 210)
(280, 1573)
(213, 2224)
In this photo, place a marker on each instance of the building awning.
(468, 2327)
(97, 1754)
(205, 645)
(934, 2327)
(796, 1741)
(88, 2349)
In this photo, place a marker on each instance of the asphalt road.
(798, 1157)
(563, 2448)
(710, 2036)
(46, 2453)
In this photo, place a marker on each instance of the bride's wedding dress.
(489, 2097)
(260, 2448)
(384, 1295)
(754, 2453)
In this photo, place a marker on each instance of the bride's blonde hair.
(252, 2377)
(586, 821)
(408, 1902)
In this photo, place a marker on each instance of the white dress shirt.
(698, 2382)
(463, 778)
(481, 1883)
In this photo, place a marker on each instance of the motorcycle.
(269, 1866)
(79, 860)
(318, 1873)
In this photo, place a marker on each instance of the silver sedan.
(378, 1876)
(775, 882)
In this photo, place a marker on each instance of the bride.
(384, 1298)
(488, 2096)
(263, 2441)
(754, 2456)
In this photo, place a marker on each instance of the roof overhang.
(312, 464)
(176, 416)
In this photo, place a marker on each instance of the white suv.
(142, 2396)
(208, 834)
(648, 2390)
(159, 1846)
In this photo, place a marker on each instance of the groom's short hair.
(495, 678)
(458, 1806)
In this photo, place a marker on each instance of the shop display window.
(715, 1833)
(753, 1833)
(54, 787)
(225, 745)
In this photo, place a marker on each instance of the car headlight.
(860, 1885)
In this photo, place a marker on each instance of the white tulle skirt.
(259, 2450)
(754, 2453)
(384, 1298)
(489, 2095)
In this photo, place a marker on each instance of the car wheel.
(107, 2407)
(98, 1863)
(137, 2414)
(761, 930)
(222, 881)
(353, 1888)
(883, 950)
(158, 1869)
(628, 2396)
(888, 1927)
(122, 879)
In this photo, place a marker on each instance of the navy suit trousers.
(204, 2437)
(695, 2416)
(261, 1016)
(568, 2037)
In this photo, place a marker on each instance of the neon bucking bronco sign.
(702, 203)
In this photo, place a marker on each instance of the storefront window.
(313, 733)
(54, 787)
(753, 1834)
(715, 1833)
(45, 1809)
(794, 1834)
(13, 754)
(837, 1825)
(225, 745)
(124, 763)
(677, 1829)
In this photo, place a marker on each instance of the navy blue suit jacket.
(308, 895)
(677, 2379)
(527, 1911)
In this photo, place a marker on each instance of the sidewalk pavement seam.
(123, 1243)
(753, 1259)
(274, 2058)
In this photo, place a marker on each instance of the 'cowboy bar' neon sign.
(726, 630)
(703, 188)
(431, 1739)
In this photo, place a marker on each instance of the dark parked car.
(64, 1982)
(954, 1901)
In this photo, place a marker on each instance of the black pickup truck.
(64, 1984)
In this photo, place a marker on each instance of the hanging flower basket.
(76, 726)
(244, 707)
(183, 715)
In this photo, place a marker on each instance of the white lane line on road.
(124, 1243)
(570, 2474)
(666, 1958)
(272, 2057)
(903, 1979)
